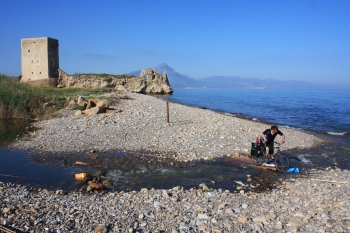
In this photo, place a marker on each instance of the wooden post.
(167, 112)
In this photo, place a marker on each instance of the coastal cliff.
(149, 82)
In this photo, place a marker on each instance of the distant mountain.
(253, 83)
(177, 80)
(231, 82)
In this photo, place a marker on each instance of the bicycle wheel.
(281, 162)
(258, 160)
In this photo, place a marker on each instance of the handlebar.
(278, 144)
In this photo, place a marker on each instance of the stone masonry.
(40, 59)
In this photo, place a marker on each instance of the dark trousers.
(270, 146)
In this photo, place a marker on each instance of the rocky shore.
(314, 201)
(319, 202)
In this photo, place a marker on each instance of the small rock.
(59, 192)
(100, 229)
(96, 186)
(78, 113)
(202, 216)
(144, 190)
(259, 219)
(242, 219)
(183, 225)
(6, 210)
(107, 183)
(165, 194)
(294, 221)
(228, 211)
(5, 223)
(204, 187)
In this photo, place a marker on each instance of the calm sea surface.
(321, 111)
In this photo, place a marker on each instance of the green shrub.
(104, 75)
(21, 100)
(25, 101)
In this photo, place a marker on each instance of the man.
(269, 136)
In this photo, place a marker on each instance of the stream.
(140, 169)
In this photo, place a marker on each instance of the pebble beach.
(191, 134)
(318, 202)
(313, 201)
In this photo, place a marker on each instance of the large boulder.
(71, 104)
(94, 111)
(103, 104)
(137, 85)
(155, 83)
(82, 101)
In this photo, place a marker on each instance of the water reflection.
(136, 170)
(132, 171)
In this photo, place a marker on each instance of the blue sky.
(306, 40)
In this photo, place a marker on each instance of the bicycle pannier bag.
(256, 150)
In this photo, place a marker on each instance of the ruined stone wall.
(154, 83)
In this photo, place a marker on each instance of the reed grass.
(23, 101)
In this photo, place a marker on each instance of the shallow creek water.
(136, 170)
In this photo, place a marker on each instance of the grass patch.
(20, 100)
(74, 92)
(24, 101)
(104, 75)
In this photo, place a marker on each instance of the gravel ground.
(191, 134)
(317, 201)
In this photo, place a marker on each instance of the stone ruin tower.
(40, 60)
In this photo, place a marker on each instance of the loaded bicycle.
(260, 155)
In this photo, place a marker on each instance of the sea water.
(321, 111)
(325, 113)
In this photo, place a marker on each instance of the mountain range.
(177, 80)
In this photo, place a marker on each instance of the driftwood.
(238, 161)
(90, 164)
(8, 229)
(94, 185)
(11, 176)
(332, 181)
(267, 168)
(89, 178)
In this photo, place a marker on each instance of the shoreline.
(313, 201)
(191, 134)
(322, 135)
